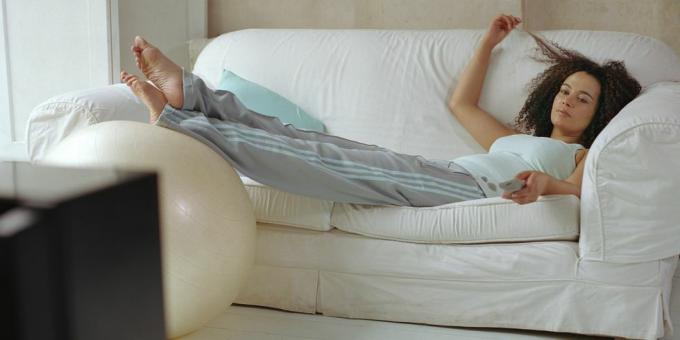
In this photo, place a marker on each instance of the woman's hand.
(499, 28)
(536, 183)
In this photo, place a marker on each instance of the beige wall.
(656, 18)
(230, 15)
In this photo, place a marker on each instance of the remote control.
(511, 185)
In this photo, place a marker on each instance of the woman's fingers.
(509, 22)
(526, 189)
(505, 22)
(525, 192)
(525, 199)
(528, 193)
(500, 22)
(499, 28)
(521, 198)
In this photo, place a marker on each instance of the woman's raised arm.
(483, 127)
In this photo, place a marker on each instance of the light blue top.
(512, 154)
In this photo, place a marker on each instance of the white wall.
(49, 47)
(6, 129)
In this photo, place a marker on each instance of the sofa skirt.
(532, 285)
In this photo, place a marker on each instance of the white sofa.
(602, 265)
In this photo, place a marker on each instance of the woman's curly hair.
(617, 88)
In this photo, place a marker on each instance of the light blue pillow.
(267, 102)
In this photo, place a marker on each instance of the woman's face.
(575, 104)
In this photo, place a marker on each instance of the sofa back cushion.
(390, 87)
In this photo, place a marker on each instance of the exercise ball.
(207, 219)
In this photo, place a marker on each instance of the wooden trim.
(7, 129)
(197, 25)
(98, 45)
(114, 41)
(197, 19)
(524, 16)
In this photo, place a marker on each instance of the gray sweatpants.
(311, 163)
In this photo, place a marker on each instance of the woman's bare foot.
(149, 94)
(160, 70)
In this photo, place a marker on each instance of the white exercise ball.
(207, 219)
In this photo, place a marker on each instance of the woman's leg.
(325, 170)
(297, 161)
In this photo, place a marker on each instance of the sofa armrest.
(630, 199)
(60, 116)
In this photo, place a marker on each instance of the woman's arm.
(539, 183)
(483, 127)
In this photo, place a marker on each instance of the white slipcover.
(631, 198)
(536, 285)
(390, 88)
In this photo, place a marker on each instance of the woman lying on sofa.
(569, 104)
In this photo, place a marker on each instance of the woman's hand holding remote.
(536, 185)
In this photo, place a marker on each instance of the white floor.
(253, 323)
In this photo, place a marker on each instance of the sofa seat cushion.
(554, 217)
(280, 207)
